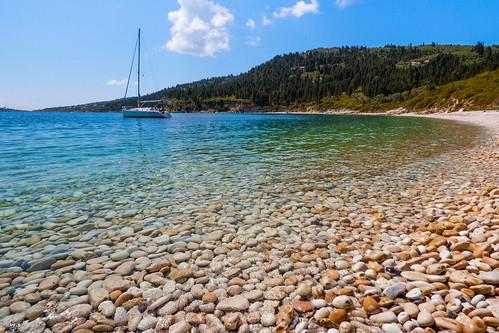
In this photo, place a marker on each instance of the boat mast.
(138, 76)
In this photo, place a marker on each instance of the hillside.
(480, 92)
(3, 109)
(347, 77)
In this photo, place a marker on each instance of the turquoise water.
(58, 166)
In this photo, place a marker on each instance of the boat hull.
(145, 114)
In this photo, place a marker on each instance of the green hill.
(362, 78)
(480, 92)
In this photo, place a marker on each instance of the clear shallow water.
(60, 166)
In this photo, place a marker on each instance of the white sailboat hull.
(144, 113)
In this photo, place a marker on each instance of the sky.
(60, 52)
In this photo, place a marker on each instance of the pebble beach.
(415, 249)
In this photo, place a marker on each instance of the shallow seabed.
(59, 167)
(216, 221)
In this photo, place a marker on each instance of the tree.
(479, 48)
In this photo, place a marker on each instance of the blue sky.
(60, 52)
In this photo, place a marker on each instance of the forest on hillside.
(312, 78)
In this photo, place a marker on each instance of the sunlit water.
(58, 166)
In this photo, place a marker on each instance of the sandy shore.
(489, 119)
(415, 250)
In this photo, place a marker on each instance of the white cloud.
(266, 21)
(299, 9)
(254, 41)
(251, 24)
(116, 82)
(344, 3)
(199, 28)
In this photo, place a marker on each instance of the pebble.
(180, 327)
(490, 277)
(97, 295)
(19, 307)
(119, 255)
(414, 276)
(342, 302)
(120, 316)
(391, 328)
(337, 316)
(41, 264)
(370, 305)
(394, 290)
(384, 317)
(425, 319)
(125, 268)
(236, 303)
(268, 319)
(449, 324)
(107, 308)
(414, 294)
(346, 327)
(303, 306)
(147, 323)
(77, 311)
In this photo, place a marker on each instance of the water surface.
(61, 166)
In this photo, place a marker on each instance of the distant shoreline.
(425, 113)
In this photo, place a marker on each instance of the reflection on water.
(57, 165)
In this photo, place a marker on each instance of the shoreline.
(488, 118)
(413, 251)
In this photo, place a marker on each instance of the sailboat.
(142, 110)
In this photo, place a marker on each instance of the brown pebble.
(103, 328)
(83, 330)
(303, 306)
(475, 325)
(370, 305)
(448, 324)
(209, 298)
(491, 321)
(284, 317)
(337, 316)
